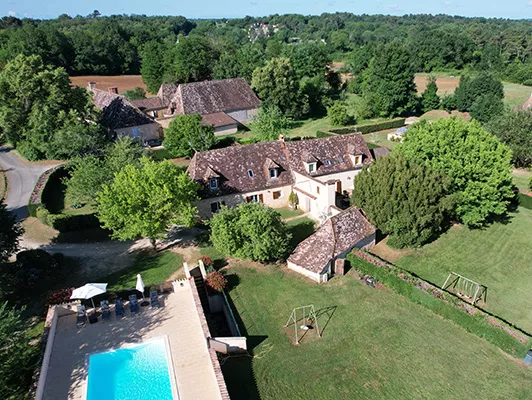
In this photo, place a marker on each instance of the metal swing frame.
(310, 315)
(463, 286)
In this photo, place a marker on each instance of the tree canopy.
(477, 92)
(270, 123)
(146, 200)
(388, 82)
(477, 163)
(250, 231)
(404, 198)
(187, 134)
(514, 128)
(430, 99)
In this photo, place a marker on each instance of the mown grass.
(497, 256)
(521, 178)
(300, 229)
(376, 344)
(288, 212)
(154, 269)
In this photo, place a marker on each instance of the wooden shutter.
(261, 198)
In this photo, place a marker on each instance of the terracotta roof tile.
(337, 235)
(166, 92)
(209, 97)
(218, 119)
(151, 103)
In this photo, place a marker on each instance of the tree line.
(117, 44)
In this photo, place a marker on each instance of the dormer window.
(311, 167)
(251, 174)
(213, 183)
(357, 159)
(340, 159)
(328, 163)
(273, 173)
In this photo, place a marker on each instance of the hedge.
(35, 201)
(474, 323)
(368, 128)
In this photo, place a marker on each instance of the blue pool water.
(139, 372)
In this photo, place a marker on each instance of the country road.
(22, 176)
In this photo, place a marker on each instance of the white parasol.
(140, 285)
(88, 291)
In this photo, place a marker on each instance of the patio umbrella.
(140, 285)
(88, 291)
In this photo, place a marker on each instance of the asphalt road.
(22, 176)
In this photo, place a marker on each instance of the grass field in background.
(375, 345)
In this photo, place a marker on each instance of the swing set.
(465, 288)
(307, 320)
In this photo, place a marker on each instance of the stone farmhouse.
(319, 171)
(121, 117)
(224, 103)
(333, 240)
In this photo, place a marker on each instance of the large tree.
(430, 99)
(147, 200)
(250, 231)
(388, 82)
(187, 134)
(477, 163)
(269, 123)
(406, 199)
(471, 88)
(515, 129)
(276, 83)
(89, 173)
(38, 108)
(308, 59)
(193, 60)
(152, 65)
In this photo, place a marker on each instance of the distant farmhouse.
(319, 171)
(121, 117)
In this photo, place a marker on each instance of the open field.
(514, 94)
(376, 344)
(122, 82)
(497, 256)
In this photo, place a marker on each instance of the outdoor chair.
(119, 308)
(154, 299)
(81, 317)
(106, 312)
(133, 304)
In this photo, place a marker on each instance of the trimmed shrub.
(369, 128)
(42, 214)
(216, 281)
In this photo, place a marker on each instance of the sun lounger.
(119, 308)
(154, 299)
(81, 317)
(133, 304)
(106, 312)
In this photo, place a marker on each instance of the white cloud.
(12, 13)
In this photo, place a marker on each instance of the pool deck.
(177, 318)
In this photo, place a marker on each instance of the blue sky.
(240, 8)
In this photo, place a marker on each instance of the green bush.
(43, 215)
(476, 324)
(369, 128)
(29, 152)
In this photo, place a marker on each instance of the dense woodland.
(118, 44)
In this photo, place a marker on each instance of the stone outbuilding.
(315, 256)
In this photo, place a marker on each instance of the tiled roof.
(233, 163)
(117, 111)
(218, 119)
(209, 97)
(379, 152)
(336, 149)
(151, 103)
(166, 92)
(337, 235)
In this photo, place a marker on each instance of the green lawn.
(522, 179)
(288, 212)
(376, 345)
(498, 257)
(515, 94)
(154, 270)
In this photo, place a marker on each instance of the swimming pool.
(136, 372)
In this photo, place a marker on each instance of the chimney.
(281, 138)
(91, 86)
(113, 90)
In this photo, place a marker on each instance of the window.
(340, 159)
(255, 198)
(358, 160)
(215, 207)
(311, 168)
(273, 173)
(318, 189)
(251, 174)
(213, 183)
(277, 195)
(328, 163)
